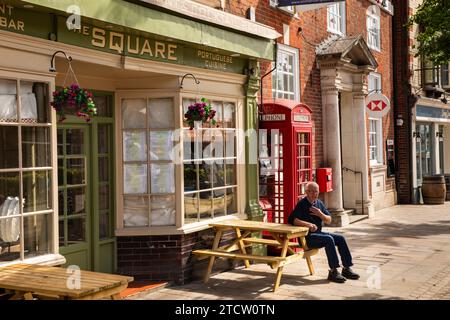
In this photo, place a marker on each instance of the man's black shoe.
(335, 276)
(349, 274)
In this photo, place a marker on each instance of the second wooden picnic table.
(282, 236)
(28, 281)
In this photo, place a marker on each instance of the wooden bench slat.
(268, 242)
(240, 256)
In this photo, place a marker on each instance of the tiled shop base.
(138, 286)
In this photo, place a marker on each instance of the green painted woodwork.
(164, 24)
(98, 253)
(253, 208)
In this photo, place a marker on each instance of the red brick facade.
(313, 24)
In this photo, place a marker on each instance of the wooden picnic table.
(28, 281)
(281, 234)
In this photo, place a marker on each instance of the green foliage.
(433, 42)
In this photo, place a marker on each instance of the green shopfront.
(128, 192)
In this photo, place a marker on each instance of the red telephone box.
(285, 156)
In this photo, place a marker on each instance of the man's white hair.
(311, 184)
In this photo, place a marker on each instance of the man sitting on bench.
(310, 212)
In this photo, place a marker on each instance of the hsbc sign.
(377, 105)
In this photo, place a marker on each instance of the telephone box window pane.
(9, 150)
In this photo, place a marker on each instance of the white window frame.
(373, 14)
(378, 133)
(180, 226)
(295, 73)
(289, 9)
(372, 77)
(52, 257)
(337, 11)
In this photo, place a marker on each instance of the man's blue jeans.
(329, 241)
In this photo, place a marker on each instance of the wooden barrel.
(433, 189)
(447, 186)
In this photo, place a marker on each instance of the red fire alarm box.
(324, 177)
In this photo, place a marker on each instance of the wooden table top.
(260, 226)
(55, 280)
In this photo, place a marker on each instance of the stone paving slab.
(402, 253)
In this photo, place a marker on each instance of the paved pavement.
(402, 253)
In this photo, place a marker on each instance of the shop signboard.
(377, 105)
(117, 40)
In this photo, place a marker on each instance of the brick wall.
(314, 29)
(168, 258)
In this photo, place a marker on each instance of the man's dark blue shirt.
(301, 211)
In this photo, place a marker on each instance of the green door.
(86, 188)
(75, 214)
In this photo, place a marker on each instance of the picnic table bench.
(27, 281)
(282, 235)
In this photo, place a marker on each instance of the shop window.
(148, 167)
(336, 18)
(26, 170)
(210, 165)
(285, 81)
(373, 28)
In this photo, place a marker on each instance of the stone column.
(362, 158)
(332, 146)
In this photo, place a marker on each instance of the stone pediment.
(352, 50)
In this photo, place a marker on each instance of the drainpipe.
(262, 78)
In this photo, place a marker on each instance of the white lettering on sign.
(7, 21)
(121, 43)
(301, 118)
(377, 105)
(273, 117)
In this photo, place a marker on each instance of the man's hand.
(316, 212)
(313, 227)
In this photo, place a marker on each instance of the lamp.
(440, 135)
(417, 136)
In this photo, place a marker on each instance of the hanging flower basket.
(201, 112)
(75, 101)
